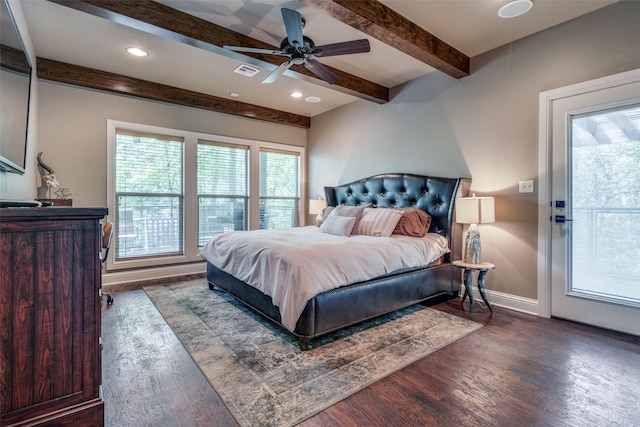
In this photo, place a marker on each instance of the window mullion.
(191, 198)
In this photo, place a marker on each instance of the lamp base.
(472, 249)
(318, 220)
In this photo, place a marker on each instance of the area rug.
(257, 367)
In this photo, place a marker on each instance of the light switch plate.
(526, 186)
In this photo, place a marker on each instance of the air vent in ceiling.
(246, 70)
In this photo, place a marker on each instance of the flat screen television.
(15, 86)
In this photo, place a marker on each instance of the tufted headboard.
(434, 195)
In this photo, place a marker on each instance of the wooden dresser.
(50, 351)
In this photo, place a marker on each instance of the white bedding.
(293, 265)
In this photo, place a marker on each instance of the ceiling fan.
(301, 49)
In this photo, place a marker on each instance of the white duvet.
(293, 265)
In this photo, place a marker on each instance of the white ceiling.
(471, 26)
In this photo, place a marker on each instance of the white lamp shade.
(475, 210)
(316, 206)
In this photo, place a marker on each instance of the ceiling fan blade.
(254, 50)
(293, 25)
(344, 48)
(321, 71)
(278, 72)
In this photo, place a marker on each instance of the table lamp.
(316, 206)
(474, 210)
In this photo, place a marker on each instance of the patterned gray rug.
(259, 371)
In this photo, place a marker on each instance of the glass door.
(605, 191)
(595, 206)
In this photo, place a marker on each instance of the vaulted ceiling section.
(368, 16)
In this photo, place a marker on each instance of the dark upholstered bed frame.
(354, 303)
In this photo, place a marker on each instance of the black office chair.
(107, 235)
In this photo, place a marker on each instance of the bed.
(351, 303)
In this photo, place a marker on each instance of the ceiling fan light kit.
(301, 50)
(515, 8)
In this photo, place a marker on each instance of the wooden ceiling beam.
(378, 21)
(61, 72)
(158, 19)
(13, 59)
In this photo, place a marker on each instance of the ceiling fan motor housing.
(306, 48)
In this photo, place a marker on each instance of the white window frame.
(191, 250)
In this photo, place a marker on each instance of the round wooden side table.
(482, 268)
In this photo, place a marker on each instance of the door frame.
(545, 166)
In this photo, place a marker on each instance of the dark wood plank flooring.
(518, 370)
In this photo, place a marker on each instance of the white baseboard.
(512, 302)
(144, 274)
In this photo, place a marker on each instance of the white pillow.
(338, 225)
(379, 222)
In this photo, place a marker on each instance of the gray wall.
(484, 126)
(73, 132)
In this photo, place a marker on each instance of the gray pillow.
(352, 211)
(338, 225)
(326, 212)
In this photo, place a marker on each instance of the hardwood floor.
(518, 370)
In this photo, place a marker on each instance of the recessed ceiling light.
(312, 99)
(234, 95)
(515, 8)
(136, 51)
(296, 95)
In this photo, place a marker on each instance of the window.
(169, 191)
(149, 195)
(279, 188)
(223, 188)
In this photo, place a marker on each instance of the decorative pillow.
(414, 222)
(353, 211)
(378, 222)
(338, 225)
